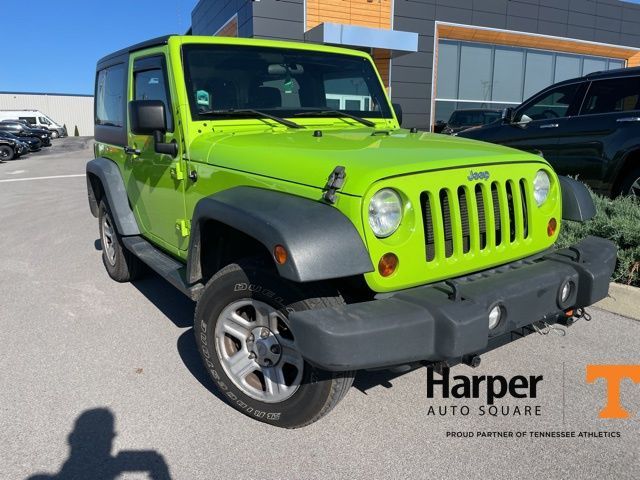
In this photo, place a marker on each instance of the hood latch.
(334, 183)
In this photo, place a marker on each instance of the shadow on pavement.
(367, 380)
(180, 310)
(91, 442)
(176, 306)
(191, 358)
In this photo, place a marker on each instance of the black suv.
(465, 118)
(19, 129)
(589, 127)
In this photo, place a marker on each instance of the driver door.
(540, 122)
(156, 181)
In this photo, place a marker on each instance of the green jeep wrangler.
(271, 182)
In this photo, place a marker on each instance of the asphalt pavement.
(103, 380)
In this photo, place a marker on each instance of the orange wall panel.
(515, 39)
(365, 13)
(230, 29)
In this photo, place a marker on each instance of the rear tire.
(631, 185)
(248, 350)
(120, 263)
(6, 152)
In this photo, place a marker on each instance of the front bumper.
(446, 322)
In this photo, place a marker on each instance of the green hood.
(298, 156)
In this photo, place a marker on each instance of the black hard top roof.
(154, 42)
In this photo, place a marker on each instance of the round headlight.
(541, 185)
(385, 212)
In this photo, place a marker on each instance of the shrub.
(619, 221)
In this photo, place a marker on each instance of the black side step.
(172, 270)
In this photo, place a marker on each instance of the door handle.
(628, 119)
(550, 125)
(131, 151)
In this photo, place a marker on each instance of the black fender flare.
(113, 186)
(321, 241)
(577, 204)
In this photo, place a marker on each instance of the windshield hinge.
(334, 183)
(183, 227)
(177, 172)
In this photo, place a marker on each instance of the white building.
(70, 110)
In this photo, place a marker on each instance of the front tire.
(631, 185)
(54, 134)
(250, 353)
(120, 263)
(6, 152)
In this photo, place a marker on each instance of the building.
(439, 55)
(70, 110)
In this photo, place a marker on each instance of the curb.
(623, 300)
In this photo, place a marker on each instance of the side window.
(555, 103)
(609, 96)
(44, 121)
(30, 120)
(150, 83)
(110, 96)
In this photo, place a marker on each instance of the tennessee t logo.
(613, 374)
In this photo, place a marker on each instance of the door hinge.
(177, 172)
(183, 227)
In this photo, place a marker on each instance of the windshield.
(472, 117)
(282, 82)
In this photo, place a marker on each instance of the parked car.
(18, 128)
(36, 119)
(466, 118)
(32, 144)
(21, 147)
(320, 241)
(588, 127)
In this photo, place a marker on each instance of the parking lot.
(106, 376)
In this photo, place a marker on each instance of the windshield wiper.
(249, 111)
(338, 113)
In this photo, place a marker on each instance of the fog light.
(552, 227)
(564, 293)
(387, 264)
(495, 314)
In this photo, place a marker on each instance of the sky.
(53, 46)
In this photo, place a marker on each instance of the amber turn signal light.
(388, 264)
(280, 254)
(552, 226)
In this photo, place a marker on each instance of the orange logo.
(613, 374)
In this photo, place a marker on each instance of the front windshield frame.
(375, 89)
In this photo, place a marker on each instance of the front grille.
(474, 218)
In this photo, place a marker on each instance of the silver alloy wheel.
(257, 351)
(107, 240)
(634, 191)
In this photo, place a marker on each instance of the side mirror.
(507, 115)
(397, 108)
(439, 126)
(147, 117)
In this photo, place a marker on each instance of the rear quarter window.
(110, 94)
(613, 95)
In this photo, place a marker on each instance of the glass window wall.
(476, 75)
